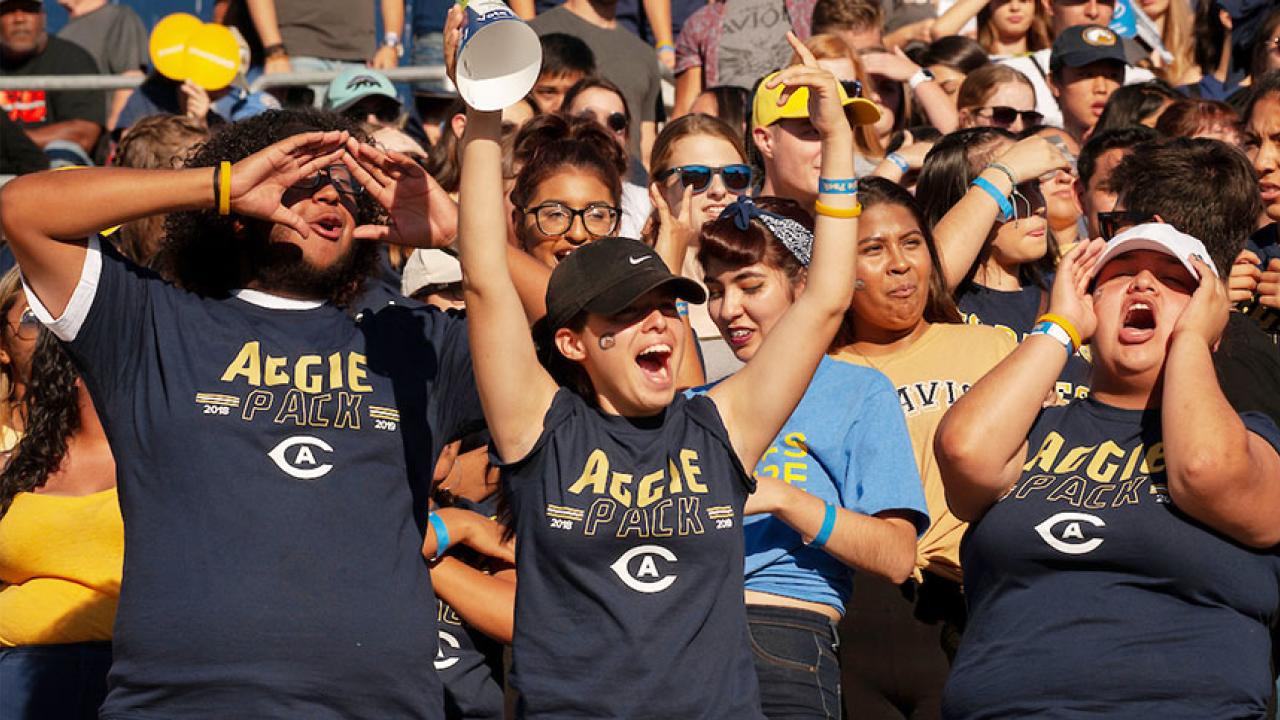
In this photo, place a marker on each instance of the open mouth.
(1139, 323)
(655, 363)
(563, 253)
(328, 227)
(739, 337)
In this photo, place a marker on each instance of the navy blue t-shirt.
(1015, 312)
(468, 661)
(630, 551)
(1091, 595)
(273, 468)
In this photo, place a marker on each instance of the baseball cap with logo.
(1080, 45)
(1160, 237)
(766, 111)
(606, 276)
(355, 84)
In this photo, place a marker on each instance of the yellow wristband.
(224, 188)
(843, 213)
(1065, 324)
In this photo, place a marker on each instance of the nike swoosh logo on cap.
(637, 260)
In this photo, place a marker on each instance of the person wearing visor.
(787, 144)
(627, 500)
(1092, 585)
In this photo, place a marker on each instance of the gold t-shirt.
(930, 376)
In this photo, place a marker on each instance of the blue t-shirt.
(1015, 312)
(846, 443)
(1090, 594)
(273, 467)
(629, 549)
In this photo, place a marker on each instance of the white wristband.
(1055, 331)
(921, 77)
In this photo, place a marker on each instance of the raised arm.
(515, 390)
(937, 106)
(962, 232)
(47, 216)
(981, 442)
(672, 244)
(956, 17)
(785, 363)
(1218, 471)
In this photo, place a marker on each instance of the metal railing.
(115, 82)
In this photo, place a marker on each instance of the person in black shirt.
(1093, 588)
(274, 454)
(628, 499)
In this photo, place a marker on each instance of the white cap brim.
(1158, 237)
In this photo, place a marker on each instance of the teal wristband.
(442, 534)
(838, 187)
(898, 160)
(1055, 331)
(828, 525)
(1006, 210)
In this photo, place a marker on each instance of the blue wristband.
(1006, 210)
(682, 307)
(1055, 331)
(838, 187)
(828, 524)
(442, 534)
(898, 160)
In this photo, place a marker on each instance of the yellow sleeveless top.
(60, 563)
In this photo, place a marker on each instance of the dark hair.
(210, 254)
(588, 83)
(1203, 187)
(1263, 85)
(1209, 34)
(1099, 143)
(731, 107)
(951, 164)
(563, 54)
(949, 168)
(955, 51)
(873, 191)
(1129, 105)
(53, 414)
(1187, 117)
(1270, 24)
(722, 240)
(835, 15)
(442, 161)
(548, 143)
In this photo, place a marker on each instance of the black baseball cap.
(606, 276)
(1080, 45)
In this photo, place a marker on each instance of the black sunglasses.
(1115, 222)
(616, 122)
(336, 175)
(852, 88)
(737, 178)
(1004, 116)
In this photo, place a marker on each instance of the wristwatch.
(275, 50)
(922, 76)
(392, 40)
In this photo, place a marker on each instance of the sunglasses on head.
(737, 178)
(852, 88)
(1003, 115)
(1115, 222)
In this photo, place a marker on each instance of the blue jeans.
(53, 682)
(797, 657)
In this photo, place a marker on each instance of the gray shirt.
(621, 58)
(114, 35)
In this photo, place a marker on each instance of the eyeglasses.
(852, 88)
(27, 325)
(1113, 223)
(555, 218)
(737, 178)
(616, 122)
(336, 175)
(1004, 116)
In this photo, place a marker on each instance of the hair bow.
(794, 236)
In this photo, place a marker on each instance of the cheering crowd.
(909, 360)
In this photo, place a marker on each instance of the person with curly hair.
(274, 454)
(61, 549)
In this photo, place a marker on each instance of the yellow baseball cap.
(766, 110)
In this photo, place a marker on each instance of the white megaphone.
(499, 57)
